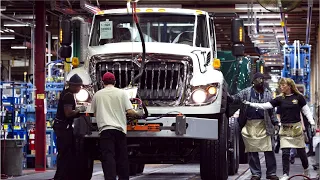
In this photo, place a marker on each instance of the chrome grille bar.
(126, 72)
(158, 83)
(178, 81)
(165, 79)
(152, 80)
(171, 81)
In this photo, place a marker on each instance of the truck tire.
(233, 150)
(133, 167)
(140, 168)
(213, 154)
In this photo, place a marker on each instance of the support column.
(40, 49)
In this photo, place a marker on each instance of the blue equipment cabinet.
(297, 61)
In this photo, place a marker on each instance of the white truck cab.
(180, 75)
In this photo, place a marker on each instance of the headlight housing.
(203, 95)
(83, 95)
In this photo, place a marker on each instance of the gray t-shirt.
(110, 105)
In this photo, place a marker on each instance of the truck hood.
(151, 47)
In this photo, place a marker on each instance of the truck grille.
(163, 80)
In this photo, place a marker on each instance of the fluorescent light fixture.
(263, 16)
(10, 30)
(2, 37)
(1, 31)
(3, 8)
(54, 36)
(49, 55)
(18, 47)
(254, 7)
(280, 36)
(169, 24)
(15, 24)
(263, 24)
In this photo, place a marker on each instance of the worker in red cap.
(63, 129)
(111, 106)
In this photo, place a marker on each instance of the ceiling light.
(263, 24)
(2, 37)
(18, 47)
(1, 31)
(14, 24)
(11, 30)
(263, 16)
(3, 8)
(54, 36)
(254, 7)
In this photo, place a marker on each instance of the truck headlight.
(202, 95)
(82, 95)
(199, 96)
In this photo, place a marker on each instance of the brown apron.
(255, 136)
(292, 136)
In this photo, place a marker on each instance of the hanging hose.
(135, 18)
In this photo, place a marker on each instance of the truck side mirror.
(65, 51)
(65, 39)
(65, 32)
(237, 31)
(237, 37)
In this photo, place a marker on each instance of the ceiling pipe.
(89, 7)
(17, 20)
(310, 4)
(66, 11)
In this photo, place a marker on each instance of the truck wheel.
(233, 151)
(140, 168)
(213, 154)
(133, 167)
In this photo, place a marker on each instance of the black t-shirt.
(289, 107)
(66, 99)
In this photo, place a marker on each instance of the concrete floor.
(176, 172)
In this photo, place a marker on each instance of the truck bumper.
(197, 128)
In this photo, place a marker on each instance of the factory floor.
(178, 171)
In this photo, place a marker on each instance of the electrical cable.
(161, 116)
(135, 18)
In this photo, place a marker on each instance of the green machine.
(237, 72)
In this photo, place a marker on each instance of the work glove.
(246, 102)
(140, 114)
(82, 108)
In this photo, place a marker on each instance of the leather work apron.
(292, 136)
(255, 136)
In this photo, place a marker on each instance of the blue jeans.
(255, 167)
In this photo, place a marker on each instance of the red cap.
(108, 76)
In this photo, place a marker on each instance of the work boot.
(272, 177)
(306, 173)
(255, 177)
(284, 177)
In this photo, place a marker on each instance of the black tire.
(233, 148)
(140, 168)
(213, 154)
(133, 167)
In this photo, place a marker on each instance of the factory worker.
(63, 129)
(292, 103)
(257, 127)
(111, 105)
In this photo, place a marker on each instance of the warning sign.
(106, 30)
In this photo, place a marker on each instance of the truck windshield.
(156, 27)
